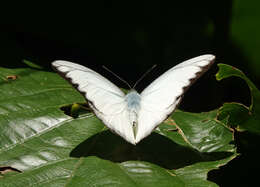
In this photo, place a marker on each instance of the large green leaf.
(236, 114)
(42, 146)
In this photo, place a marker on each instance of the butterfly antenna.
(121, 79)
(146, 73)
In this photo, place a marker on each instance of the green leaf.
(130, 173)
(42, 146)
(238, 115)
(31, 64)
(203, 132)
(234, 115)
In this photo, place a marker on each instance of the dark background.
(129, 37)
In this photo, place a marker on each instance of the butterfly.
(134, 116)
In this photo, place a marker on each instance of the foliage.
(41, 145)
(236, 114)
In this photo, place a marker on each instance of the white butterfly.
(134, 116)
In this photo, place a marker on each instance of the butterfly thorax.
(133, 100)
(133, 105)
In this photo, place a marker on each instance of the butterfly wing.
(106, 99)
(163, 95)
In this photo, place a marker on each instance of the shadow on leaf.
(155, 148)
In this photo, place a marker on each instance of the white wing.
(106, 99)
(163, 95)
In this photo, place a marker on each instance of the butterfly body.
(134, 116)
(133, 100)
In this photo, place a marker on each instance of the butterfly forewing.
(163, 95)
(106, 99)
